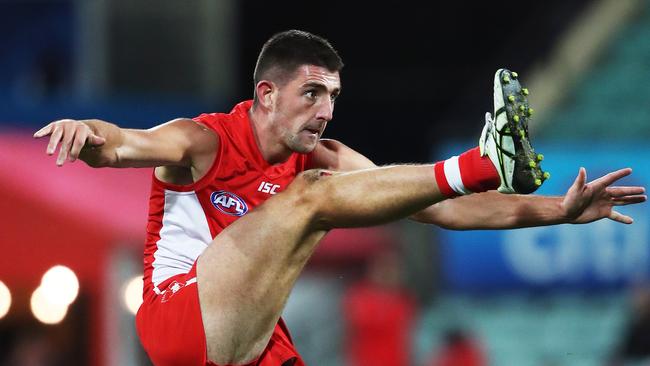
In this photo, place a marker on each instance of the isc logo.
(266, 187)
(228, 203)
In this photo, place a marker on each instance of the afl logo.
(228, 203)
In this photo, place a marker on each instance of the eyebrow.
(313, 84)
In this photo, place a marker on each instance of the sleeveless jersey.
(183, 220)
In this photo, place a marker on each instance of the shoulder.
(209, 118)
(212, 121)
(325, 154)
(191, 128)
(188, 134)
(239, 113)
(334, 155)
(328, 146)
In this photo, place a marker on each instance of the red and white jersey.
(183, 220)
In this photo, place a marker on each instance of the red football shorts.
(170, 328)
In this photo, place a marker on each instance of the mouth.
(314, 131)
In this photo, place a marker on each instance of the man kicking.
(239, 201)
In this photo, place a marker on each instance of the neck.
(268, 142)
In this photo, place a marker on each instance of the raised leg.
(245, 276)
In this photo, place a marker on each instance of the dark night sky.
(414, 75)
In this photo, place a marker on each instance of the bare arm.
(583, 202)
(101, 144)
(493, 210)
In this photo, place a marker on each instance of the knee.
(311, 177)
(310, 188)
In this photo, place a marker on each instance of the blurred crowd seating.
(611, 101)
(525, 330)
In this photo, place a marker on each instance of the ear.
(266, 91)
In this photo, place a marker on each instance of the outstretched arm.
(583, 202)
(176, 143)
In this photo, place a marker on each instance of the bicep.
(176, 143)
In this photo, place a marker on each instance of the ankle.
(466, 174)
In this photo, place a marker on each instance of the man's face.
(304, 105)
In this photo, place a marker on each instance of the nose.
(325, 110)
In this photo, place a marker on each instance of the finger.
(54, 139)
(80, 138)
(612, 177)
(619, 217)
(580, 179)
(620, 191)
(68, 136)
(628, 200)
(44, 131)
(95, 140)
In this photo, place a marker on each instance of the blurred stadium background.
(417, 82)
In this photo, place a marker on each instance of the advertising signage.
(600, 255)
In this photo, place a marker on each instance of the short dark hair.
(284, 52)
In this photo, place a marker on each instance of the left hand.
(595, 200)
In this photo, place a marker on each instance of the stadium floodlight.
(5, 300)
(60, 285)
(45, 311)
(133, 294)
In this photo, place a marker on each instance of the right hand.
(73, 136)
